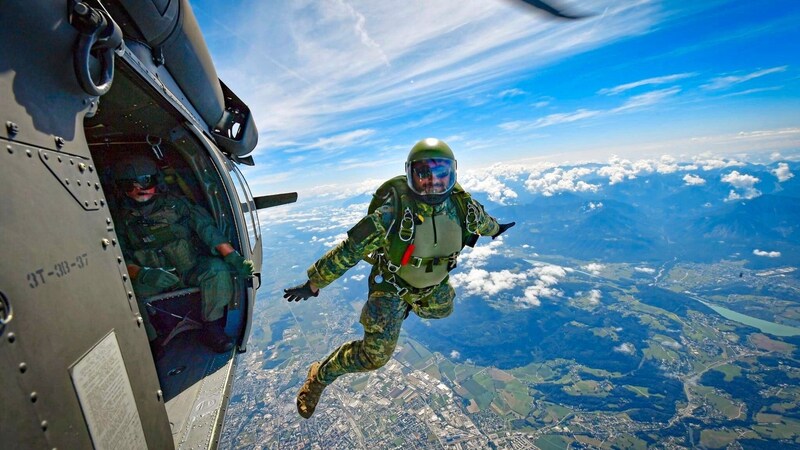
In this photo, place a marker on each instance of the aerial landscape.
(647, 296)
(653, 311)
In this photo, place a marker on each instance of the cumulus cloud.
(479, 255)
(693, 180)
(539, 282)
(782, 172)
(455, 354)
(358, 277)
(594, 268)
(328, 241)
(560, 180)
(744, 186)
(594, 296)
(485, 283)
(647, 270)
(498, 192)
(626, 348)
(619, 169)
(767, 254)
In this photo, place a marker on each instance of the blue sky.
(342, 89)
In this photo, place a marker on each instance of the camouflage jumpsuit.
(160, 234)
(384, 312)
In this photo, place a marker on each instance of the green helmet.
(137, 169)
(431, 170)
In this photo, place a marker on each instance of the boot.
(214, 337)
(308, 396)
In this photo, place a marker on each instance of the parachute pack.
(406, 216)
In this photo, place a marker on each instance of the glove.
(244, 267)
(300, 292)
(503, 228)
(156, 277)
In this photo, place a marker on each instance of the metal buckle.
(415, 262)
(405, 231)
(392, 267)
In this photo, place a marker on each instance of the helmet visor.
(143, 181)
(432, 175)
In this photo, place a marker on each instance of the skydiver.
(156, 233)
(416, 227)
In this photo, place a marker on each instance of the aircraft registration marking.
(61, 269)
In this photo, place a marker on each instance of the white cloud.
(782, 172)
(485, 283)
(626, 348)
(649, 81)
(455, 354)
(498, 191)
(744, 185)
(539, 282)
(560, 180)
(767, 254)
(647, 270)
(732, 80)
(594, 296)
(693, 180)
(594, 268)
(479, 255)
(329, 241)
(620, 169)
(358, 277)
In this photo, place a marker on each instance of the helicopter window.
(248, 205)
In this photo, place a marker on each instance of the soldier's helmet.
(135, 170)
(431, 170)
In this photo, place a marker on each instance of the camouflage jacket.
(164, 233)
(370, 234)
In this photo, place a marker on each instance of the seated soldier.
(156, 231)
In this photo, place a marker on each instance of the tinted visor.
(143, 181)
(432, 176)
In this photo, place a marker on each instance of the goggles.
(433, 175)
(142, 181)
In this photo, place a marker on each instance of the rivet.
(34, 397)
(130, 294)
(159, 395)
(71, 162)
(86, 203)
(105, 243)
(91, 168)
(12, 338)
(114, 242)
(119, 259)
(102, 202)
(108, 220)
(66, 180)
(139, 321)
(124, 277)
(97, 186)
(59, 159)
(82, 167)
(12, 128)
(23, 367)
(44, 425)
(59, 141)
(10, 150)
(78, 181)
(44, 155)
(28, 152)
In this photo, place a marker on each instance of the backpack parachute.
(397, 189)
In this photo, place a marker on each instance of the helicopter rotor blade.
(548, 8)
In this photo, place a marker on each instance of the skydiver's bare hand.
(301, 292)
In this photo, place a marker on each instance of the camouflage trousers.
(211, 275)
(382, 316)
